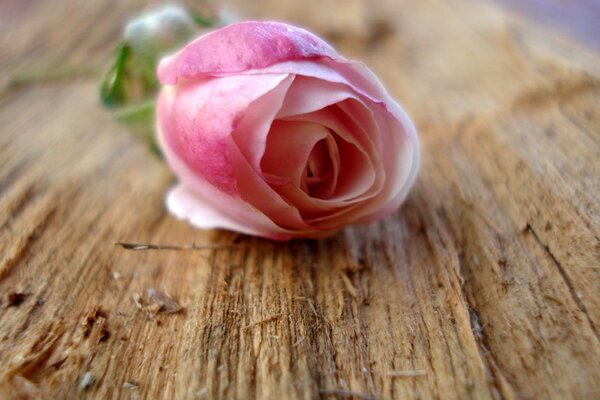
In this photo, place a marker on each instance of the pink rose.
(272, 133)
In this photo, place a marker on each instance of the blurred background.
(453, 50)
(28, 27)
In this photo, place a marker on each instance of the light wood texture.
(484, 285)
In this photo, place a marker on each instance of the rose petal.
(197, 120)
(185, 204)
(255, 190)
(252, 128)
(323, 71)
(240, 47)
(402, 164)
(361, 80)
(358, 75)
(320, 172)
(357, 174)
(213, 208)
(308, 94)
(219, 161)
(289, 146)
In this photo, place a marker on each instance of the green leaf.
(112, 91)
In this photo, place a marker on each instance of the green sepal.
(112, 90)
(130, 87)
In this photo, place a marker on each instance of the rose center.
(301, 157)
(318, 170)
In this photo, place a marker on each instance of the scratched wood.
(484, 285)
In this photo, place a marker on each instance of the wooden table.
(484, 285)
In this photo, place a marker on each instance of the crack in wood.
(501, 388)
(487, 356)
(13, 260)
(558, 91)
(563, 273)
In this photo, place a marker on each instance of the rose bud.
(272, 133)
(129, 88)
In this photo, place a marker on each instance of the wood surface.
(484, 285)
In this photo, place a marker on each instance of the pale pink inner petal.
(319, 178)
(401, 159)
(369, 133)
(394, 120)
(252, 127)
(357, 173)
(310, 207)
(198, 117)
(289, 147)
(308, 94)
(331, 72)
(359, 122)
(352, 119)
(302, 163)
(255, 190)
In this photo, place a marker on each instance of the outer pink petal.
(200, 154)
(240, 47)
(196, 120)
(207, 207)
(186, 204)
(253, 127)
(408, 148)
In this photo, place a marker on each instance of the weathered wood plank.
(484, 285)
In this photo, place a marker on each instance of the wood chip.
(138, 301)
(166, 304)
(157, 302)
(94, 314)
(131, 385)
(15, 299)
(407, 373)
(104, 335)
(87, 381)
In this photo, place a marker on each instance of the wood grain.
(484, 285)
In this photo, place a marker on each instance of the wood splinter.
(151, 246)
